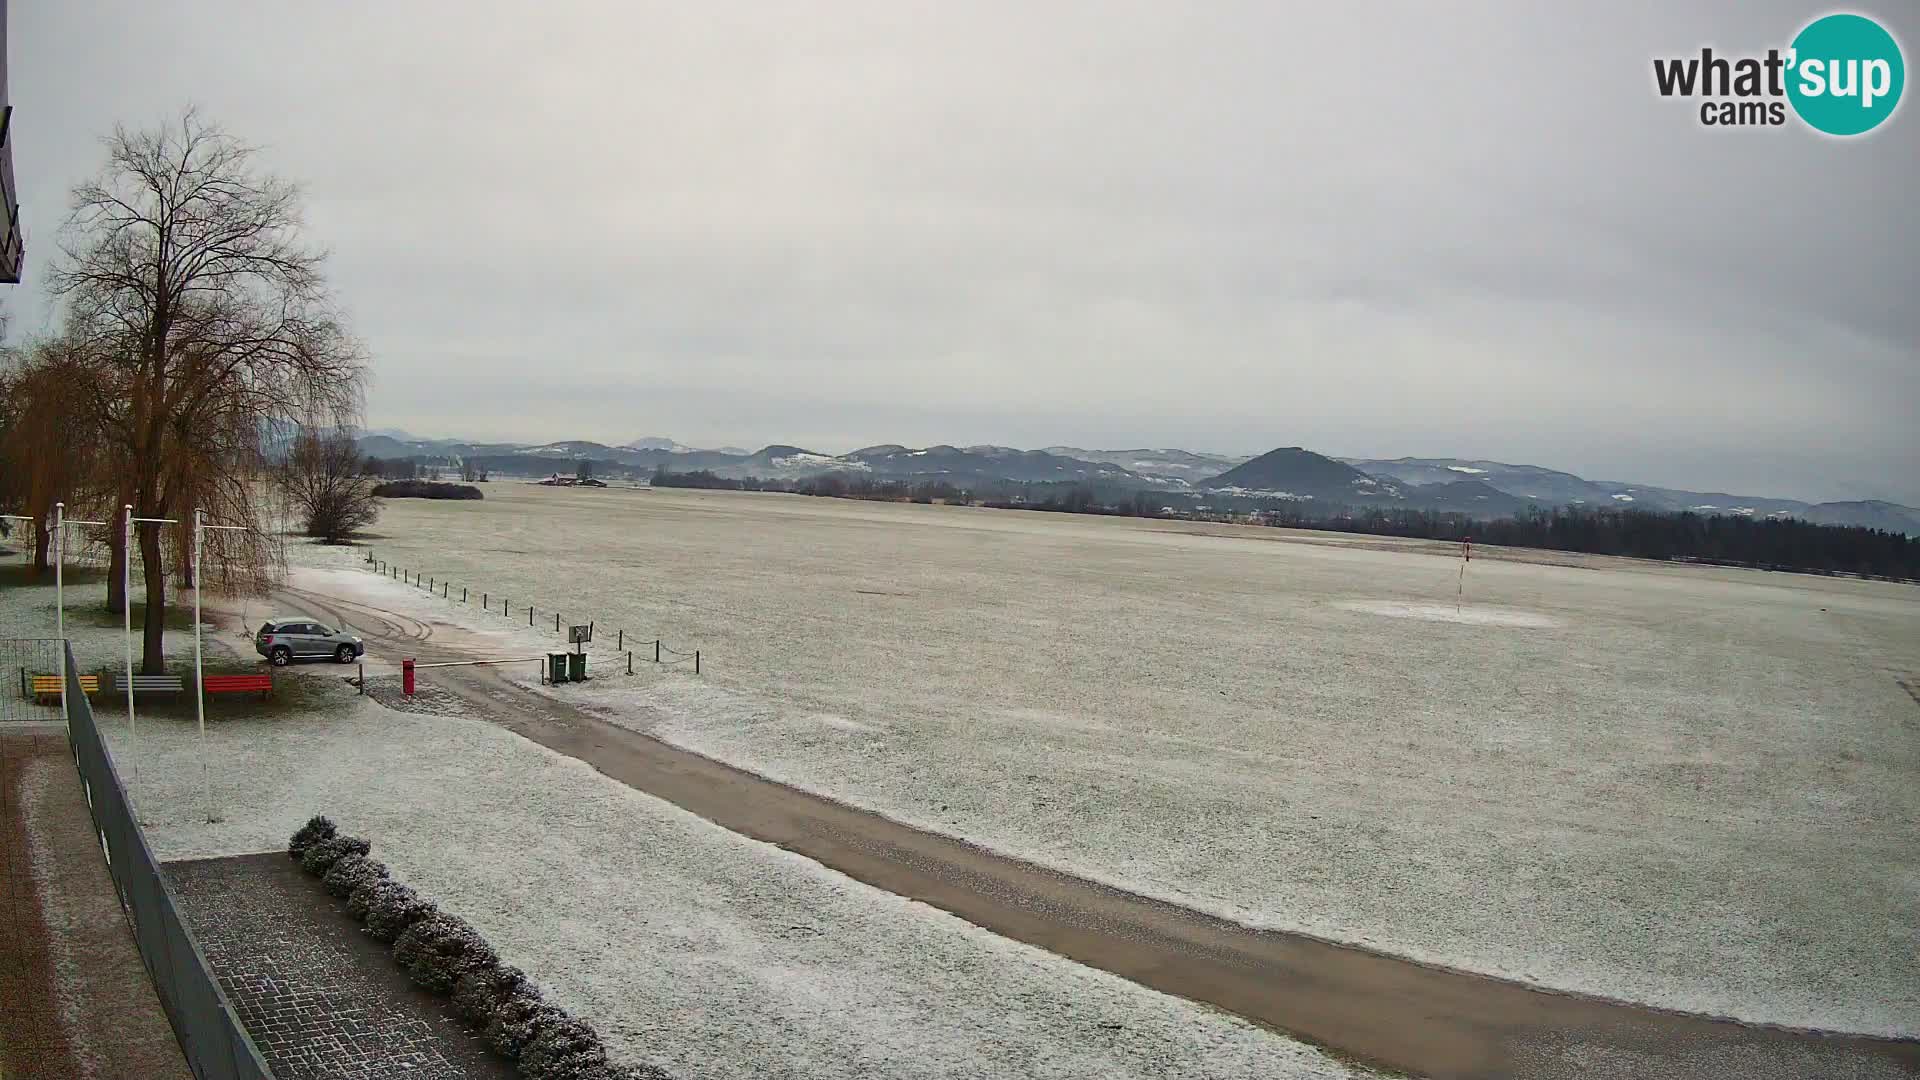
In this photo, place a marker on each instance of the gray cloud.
(1413, 229)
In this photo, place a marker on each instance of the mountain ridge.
(1287, 474)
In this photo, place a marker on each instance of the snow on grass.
(1471, 615)
(684, 944)
(1694, 789)
(27, 611)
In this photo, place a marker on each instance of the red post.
(406, 676)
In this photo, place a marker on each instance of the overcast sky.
(1372, 230)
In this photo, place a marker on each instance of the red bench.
(237, 684)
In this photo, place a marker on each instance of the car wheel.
(344, 654)
(281, 656)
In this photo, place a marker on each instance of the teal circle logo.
(1845, 74)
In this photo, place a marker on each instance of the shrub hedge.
(444, 953)
(349, 872)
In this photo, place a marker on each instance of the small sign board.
(579, 635)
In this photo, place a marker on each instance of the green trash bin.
(577, 667)
(556, 667)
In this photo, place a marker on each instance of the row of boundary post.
(663, 655)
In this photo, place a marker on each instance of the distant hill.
(1187, 465)
(1476, 497)
(1546, 486)
(1549, 487)
(1292, 472)
(974, 464)
(1873, 513)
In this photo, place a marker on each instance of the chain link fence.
(216, 1045)
(22, 661)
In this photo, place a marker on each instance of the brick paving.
(75, 999)
(319, 997)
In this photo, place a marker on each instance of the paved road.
(1370, 1008)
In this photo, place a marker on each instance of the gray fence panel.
(217, 1047)
(20, 660)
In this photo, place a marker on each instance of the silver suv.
(285, 640)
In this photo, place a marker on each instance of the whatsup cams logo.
(1842, 75)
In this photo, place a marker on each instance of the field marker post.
(696, 661)
(443, 590)
(656, 650)
(556, 622)
(629, 663)
(363, 680)
(620, 644)
(463, 594)
(529, 614)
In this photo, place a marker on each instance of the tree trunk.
(117, 572)
(153, 653)
(42, 548)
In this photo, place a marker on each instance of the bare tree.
(322, 479)
(184, 273)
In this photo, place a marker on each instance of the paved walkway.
(319, 997)
(75, 1000)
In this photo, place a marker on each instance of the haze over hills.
(1293, 474)
(1189, 465)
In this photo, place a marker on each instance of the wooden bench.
(48, 686)
(237, 684)
(150, 684)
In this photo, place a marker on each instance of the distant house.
(556, 480)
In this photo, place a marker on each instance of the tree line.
(1769, 543)
(200, 362)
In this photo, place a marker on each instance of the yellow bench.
(48, 686)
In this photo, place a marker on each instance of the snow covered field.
(684, 944)
(1683, 786)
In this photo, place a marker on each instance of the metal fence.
(216, 1045)
(21, 659)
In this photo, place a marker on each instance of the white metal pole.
(126, 630)
(199, 695)
(59, 528)
(133, 733)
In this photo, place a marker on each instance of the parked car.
(285, 640)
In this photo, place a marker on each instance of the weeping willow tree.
(49, 445)
(189, 289)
